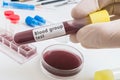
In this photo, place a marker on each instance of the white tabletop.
(94, 59)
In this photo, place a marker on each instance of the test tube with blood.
(59, 29)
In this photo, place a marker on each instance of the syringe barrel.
(18, 5)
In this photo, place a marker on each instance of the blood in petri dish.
(62, 60)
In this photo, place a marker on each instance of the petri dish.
(61, 61)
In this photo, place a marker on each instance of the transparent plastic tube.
(107, 74)
(18, 5)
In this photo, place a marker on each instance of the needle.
(67, 2)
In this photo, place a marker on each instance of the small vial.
(18, 5)
(107, 74)
(13, 23)
(12, 20)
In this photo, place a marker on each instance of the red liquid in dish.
(62, 60)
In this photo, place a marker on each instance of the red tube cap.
(14, 18)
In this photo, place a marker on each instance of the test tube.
(71, 64)
(17, 5)
(59, 29)
(12, 21)
(107, 74)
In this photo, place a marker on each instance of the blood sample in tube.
(47, 32)
(59, 29)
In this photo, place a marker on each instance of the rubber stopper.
(100, 16)
(8, 13)
(14, 18)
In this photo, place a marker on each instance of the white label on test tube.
(48, 32)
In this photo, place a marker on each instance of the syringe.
(59, 29)
(17, 5)
(107, 74)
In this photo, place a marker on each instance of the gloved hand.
(99, 35)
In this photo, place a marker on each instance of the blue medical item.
(32, 22)
(17, 5)
(36, 21)
(40, 19)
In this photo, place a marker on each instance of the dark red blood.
(62, 60)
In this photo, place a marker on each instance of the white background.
(94, 59)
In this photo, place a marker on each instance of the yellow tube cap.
(99, 16)
(104, 75)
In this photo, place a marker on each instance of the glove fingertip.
(73, 38)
